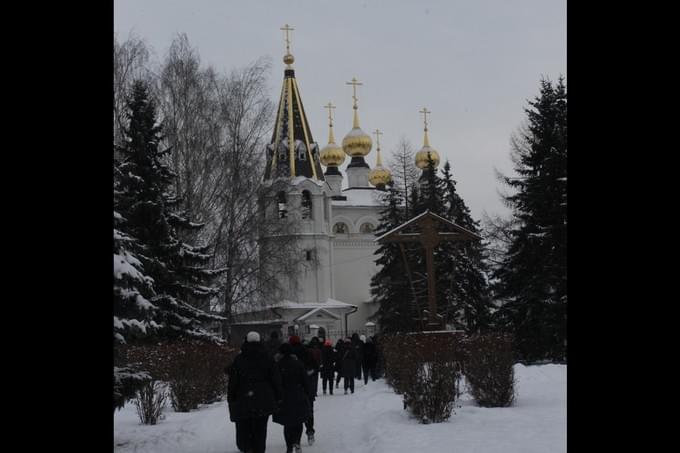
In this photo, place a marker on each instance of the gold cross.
(377, 137)
(287, 28)
(354, 84)
(425, 111)
(329, 106)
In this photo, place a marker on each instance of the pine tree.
(532, 277)
(179, 280)
(469, 296)
(390, 286)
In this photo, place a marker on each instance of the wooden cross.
(329, 106)
(429, 237)
(287, 28)
(425, 111)
(354, 84)
(377, 137)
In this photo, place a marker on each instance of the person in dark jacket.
(349, 366)
(369, 360)
(253, 392)
(295, 409)
(314, 349)
(358, 346)
(339, 352)
(311, 367)
(327, 366)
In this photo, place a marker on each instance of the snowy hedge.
(427, 367)
(193, 370)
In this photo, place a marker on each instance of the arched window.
(306, 204)
(340, 228)
(282, 205)
(366, 228)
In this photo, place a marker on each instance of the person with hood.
(307, 360)
(253, 392)
(349, 365)
(295, 409)
(327, 366)
(370, 358)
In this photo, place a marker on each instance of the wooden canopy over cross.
(429, 229)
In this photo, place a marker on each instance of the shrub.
(425, 368)
(489, 370)
(193, 370)
(150, 402)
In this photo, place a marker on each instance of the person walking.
(369, 360)
(314, 349)
(349, 366)
(295, 408)
(273, 343)
(253, 392)
(311, 367)
(358, 346)
(328, 360)
(339, 352)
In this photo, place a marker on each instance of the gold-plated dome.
(422, 156)
(426, 151)
(331, 155)
(356, 143)
(380, 175)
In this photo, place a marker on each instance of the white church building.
(335, 214)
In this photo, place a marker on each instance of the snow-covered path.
(373, 421)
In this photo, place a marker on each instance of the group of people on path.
(281, 379)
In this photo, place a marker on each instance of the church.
(335, 215)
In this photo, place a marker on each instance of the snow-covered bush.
(193, 370)
(126, 382)
(150, 402)
(489, 370)
(425, 367)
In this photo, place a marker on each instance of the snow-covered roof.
(367, 196)
(458, 228)
(266, 321)
(328, 303)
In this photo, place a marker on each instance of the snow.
(372, 420)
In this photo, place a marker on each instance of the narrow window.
(308, 255)
(282, 204)
(306, 204)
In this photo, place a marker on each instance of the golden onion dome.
(357, 143)
(426, 152)
(332, 155)
(422, 157)
(379, 176)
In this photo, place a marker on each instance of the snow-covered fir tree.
(161, 284)
(532, 276)
(390, 286)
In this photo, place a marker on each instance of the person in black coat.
(370, 359)
(311, 367)
(349, 366)
(296, 408)
(327, 366)
(358, 346)
(339, 352)
(253, 392)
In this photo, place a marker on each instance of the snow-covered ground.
(373, 421)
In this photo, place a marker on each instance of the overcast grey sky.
(473, 63)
